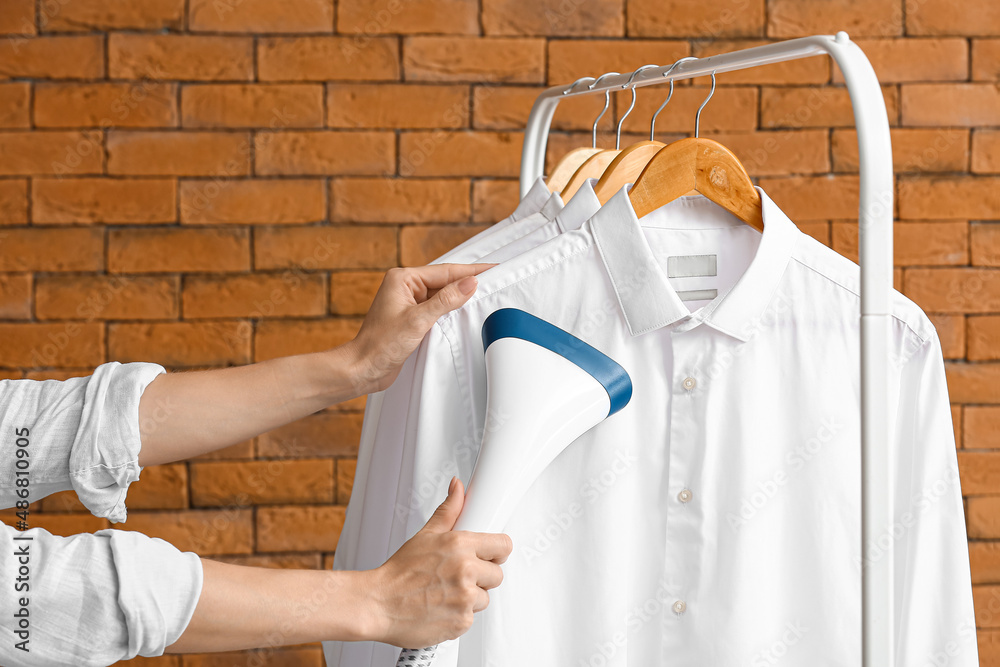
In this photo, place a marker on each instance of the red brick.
(273, 657)
(401, 106)
(325, 433)
(257, 296)
(951, 332)
(777, 153)
(982, 427)
(475, 59)
(187, 57)
(954, 290)
(814, 197)
(949, 197)
(802, 71)
(983, 519)
(570, 59)
(281, 561)
(252, 105)
(984, 557)
(239, 451)
(913, 149)
(461, 153)
(66, 344)
(493, 200)
(13, 202)
(17, 17)
(324, 247)
(104, 297)
(177, 344)
(421, 245)
(955, 104)
(507, 108)
(262, 482)
(86, 15)
(321, 153)
(59, 374)
(985, 237)
(345, 479)
(299, 528)
(281, 338)
(973, 383)
(160, 487)
(62, 153)
(64, 525)
(352, 292)
(917, 243)
(103, 200)
(986, 59)
(906, 60)
(373, 17)
(14, 104)
(984, 338)
(956, 421)
(812, 106)
(261, 16)
(63, 501)
(77, 249)
(205, 532)
(15, 296)
(252, 201)
(551, 18)
(162, 250)
(731, 110)
(860, 18)
(56, 57)
(980, 473)
(224, 154)
(689, 18)
(986, 152)
(818, 230)
(399, 200)
(943, 17)
(328, 58)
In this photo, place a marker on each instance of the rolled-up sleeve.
(83, 434)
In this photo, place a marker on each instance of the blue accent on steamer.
(516, 323)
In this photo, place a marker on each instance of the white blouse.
(89, 599)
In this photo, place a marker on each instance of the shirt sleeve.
(81, 434)
(92, 599)
(935, 621)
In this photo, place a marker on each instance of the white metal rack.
(875, 243)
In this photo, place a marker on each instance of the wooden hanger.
(704, 166)
(567, 166)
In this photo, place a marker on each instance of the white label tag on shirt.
(697, 294)
(685, 266)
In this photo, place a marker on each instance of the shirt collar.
(579, 208)
(646, 296)
(538, 195)
(552, 206)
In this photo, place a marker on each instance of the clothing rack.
(875, 245)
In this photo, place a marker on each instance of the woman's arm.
(185, 414)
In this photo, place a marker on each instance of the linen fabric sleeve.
(92, 599)
(81, 434)
(935, 619)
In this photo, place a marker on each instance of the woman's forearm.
(185, 414)
(252, 607)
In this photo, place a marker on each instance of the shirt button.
(684, 495)
(689, 383)
(680, 606)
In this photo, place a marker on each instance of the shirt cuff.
(105, 455)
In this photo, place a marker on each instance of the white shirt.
(715, 520)
(382, 461)
(92, 599)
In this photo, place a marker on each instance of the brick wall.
(203, 183)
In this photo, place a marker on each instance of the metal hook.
(607, 102)
(697, 117)
(618, 133)
(573, 85)
(652, 122)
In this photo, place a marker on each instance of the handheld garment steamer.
(547, 388)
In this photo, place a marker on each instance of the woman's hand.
(408, 303)
(430, 588)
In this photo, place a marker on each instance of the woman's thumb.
(446, 514)
(450, 297)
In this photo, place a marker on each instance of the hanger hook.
(618, 133)
(607, 102)
(652, 123)
(574, 84)
(697, 117)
